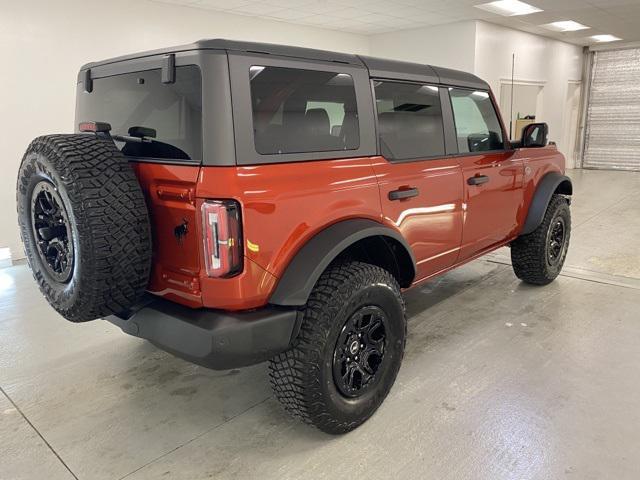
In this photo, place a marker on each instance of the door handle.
(403, 193)
(477, 180)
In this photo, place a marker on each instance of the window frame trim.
(445, 129)
(246, 152)
(218, 147)
(506, 144)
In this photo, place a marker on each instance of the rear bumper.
(212, 338)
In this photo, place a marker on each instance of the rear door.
(420, 187)
(492, 173)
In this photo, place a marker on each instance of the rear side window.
(409, 120)
(140, 99)
(477, 126)
(299, 111)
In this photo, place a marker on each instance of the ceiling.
(617, 17)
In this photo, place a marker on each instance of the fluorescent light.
(604, 38)
(509, 8)
(565, 26)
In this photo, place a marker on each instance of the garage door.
(613, 114)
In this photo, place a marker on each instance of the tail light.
(222, 237)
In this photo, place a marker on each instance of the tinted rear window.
(140, 99)
(298, 111)
(409, 120)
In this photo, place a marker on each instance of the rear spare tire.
(84, 224)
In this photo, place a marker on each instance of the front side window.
(477, 126)
(300, 111)
(409, 120)
(161, 121)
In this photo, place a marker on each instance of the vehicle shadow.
(213, 403)
(423, 297)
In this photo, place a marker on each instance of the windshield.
(137, 104)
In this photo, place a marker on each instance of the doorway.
(527, 102)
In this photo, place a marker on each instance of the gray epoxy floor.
(500, 381)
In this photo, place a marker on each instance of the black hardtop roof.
(378, 67)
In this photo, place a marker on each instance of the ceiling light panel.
(565, 26)
(509, 8)
(604, 38)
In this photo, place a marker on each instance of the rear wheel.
(349, 349)
(538, 257)
(84, 224)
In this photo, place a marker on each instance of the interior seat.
(317, 130)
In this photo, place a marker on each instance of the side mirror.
(535, 135)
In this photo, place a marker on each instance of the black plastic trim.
(169, 68)
(212, 338)
(478, 180)
(311, 260)
(450, 135)
(541, 199)
(87, 81)
(403, 194)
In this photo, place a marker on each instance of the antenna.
(513, 67)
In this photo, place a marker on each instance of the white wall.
(539, 60)
(43, 43)
(449, 45)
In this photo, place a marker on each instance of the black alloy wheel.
(556, 241)
(359, 351)
(52, 231)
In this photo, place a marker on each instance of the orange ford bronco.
(238, 202)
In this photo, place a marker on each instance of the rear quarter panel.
(283, 206)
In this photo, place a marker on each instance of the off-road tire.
(529, 253)
(108, 221)
(302, 377)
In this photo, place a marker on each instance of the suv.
(239, 202)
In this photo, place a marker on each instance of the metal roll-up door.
(612, 137)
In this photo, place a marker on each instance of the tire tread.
(295, 373)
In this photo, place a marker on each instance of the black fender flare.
(550, 183)
(314, 257)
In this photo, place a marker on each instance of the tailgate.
(170, 194)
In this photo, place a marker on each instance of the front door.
(492, 197)
(421, 189)
(492, 174)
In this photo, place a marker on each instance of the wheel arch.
(552, 183)
(359, 239)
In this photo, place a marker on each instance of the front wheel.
(538, 257)
(349, 349)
